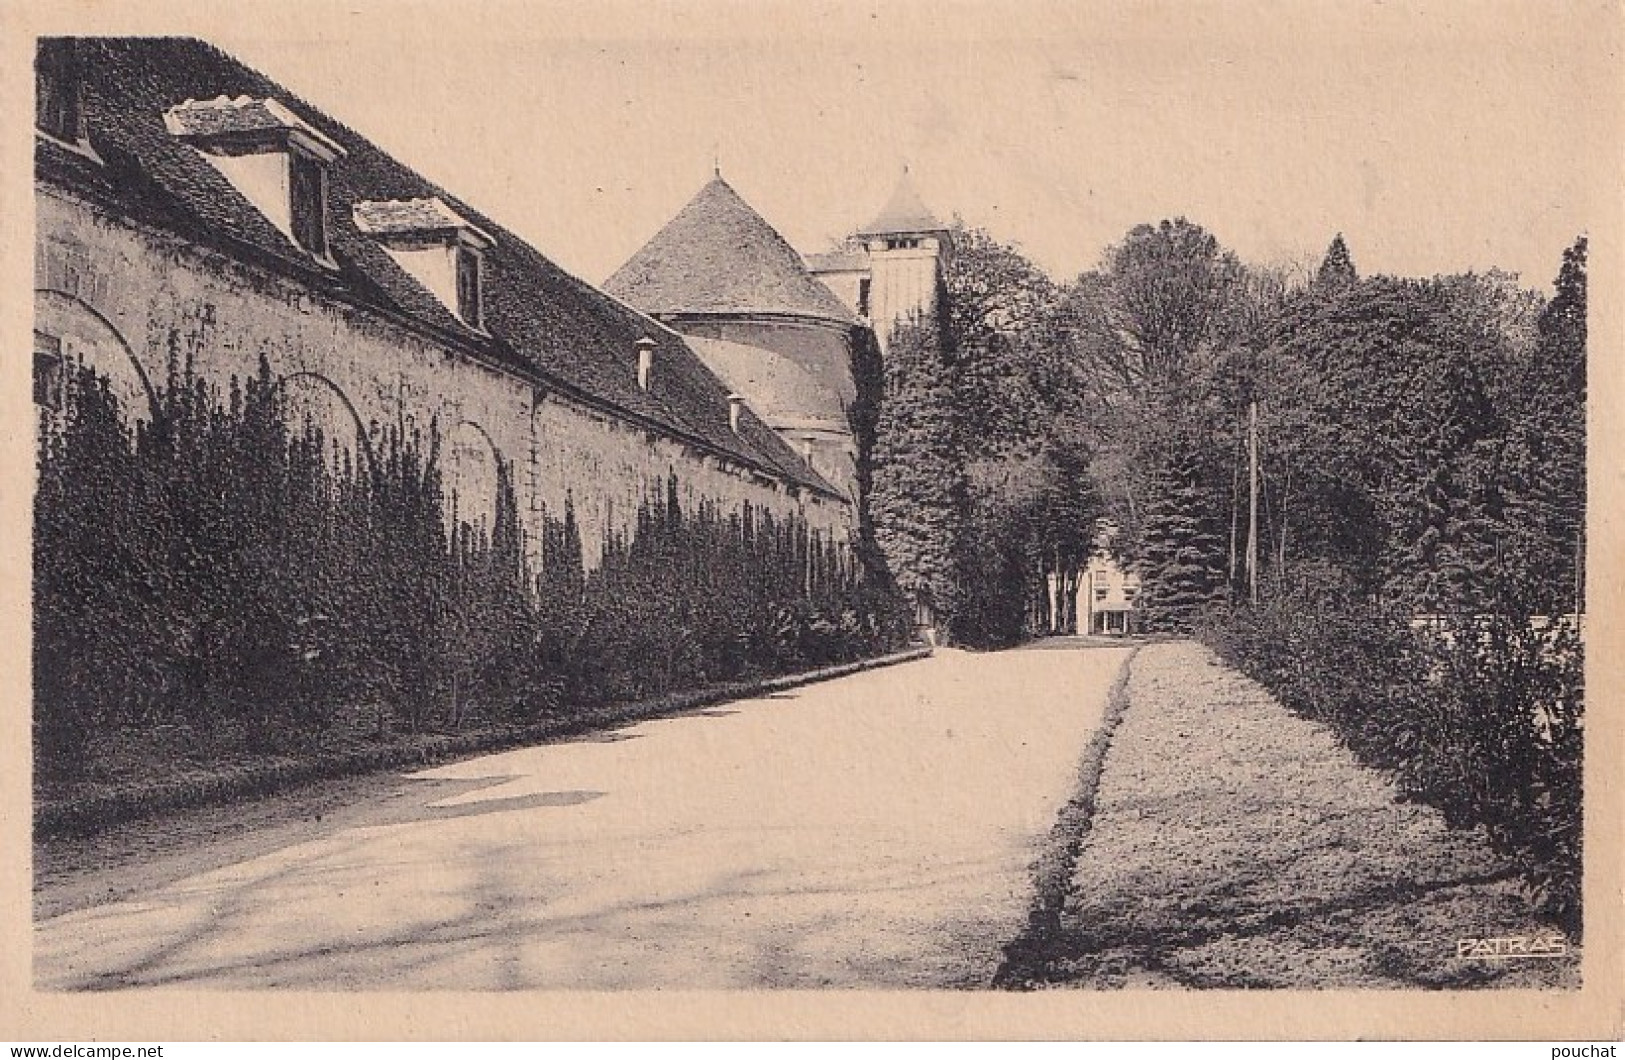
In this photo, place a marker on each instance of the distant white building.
(1108, 596)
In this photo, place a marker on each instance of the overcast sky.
(1461, 136)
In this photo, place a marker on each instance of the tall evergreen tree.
(919, 500)
(1546, 457)
(1183, 546)
(1336, 268)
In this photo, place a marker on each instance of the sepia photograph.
(891, 506)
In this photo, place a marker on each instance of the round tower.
(746, 303)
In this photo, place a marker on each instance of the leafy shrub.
(1479, 716)
(1500, 744)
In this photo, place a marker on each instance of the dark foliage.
(1430, 607)
(1337, 267)
(240, 582)
(920, 495)
(982, 497)
(1182, 550)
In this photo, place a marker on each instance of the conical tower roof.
(904, 213)
(720, 256)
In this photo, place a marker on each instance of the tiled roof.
(720, 256)
(838, 261)
(542, 322)
(905, 212)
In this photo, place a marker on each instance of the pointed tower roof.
(720, 256)
(904, 213)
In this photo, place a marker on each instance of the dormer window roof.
(405, 220)
(245, 124)
(435, 245)
(274, 158)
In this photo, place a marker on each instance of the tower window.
(47, 371)
(307, 183)
(57, 101)
(863, 296)
(468, 286)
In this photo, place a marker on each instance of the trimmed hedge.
(225, 574)
(1480, 716)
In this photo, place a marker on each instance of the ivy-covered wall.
(218, 581)
(129, 302)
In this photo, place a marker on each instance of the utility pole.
(1235, 520)
(1579, 574)
(1252, 501)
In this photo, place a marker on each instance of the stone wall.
(822, 350)
(808, 405)
(127, 299)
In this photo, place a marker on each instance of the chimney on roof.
(646, 360)
(736, 405)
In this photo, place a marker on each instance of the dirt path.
(875, 830)
(1234, 844)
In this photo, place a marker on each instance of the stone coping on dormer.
(392, 220)
(244, 119)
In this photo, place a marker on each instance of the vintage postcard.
(724, 520)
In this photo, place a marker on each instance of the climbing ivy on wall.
(243, 581)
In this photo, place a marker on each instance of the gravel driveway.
(876, 830)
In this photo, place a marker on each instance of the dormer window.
(307, 194)
(437, 247)
(59, 106)
(274, 159)
(468, 287)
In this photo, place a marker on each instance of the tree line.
(1414, 575)
(1421, 441)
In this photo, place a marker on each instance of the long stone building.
(190, 208)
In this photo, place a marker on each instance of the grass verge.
(1236, 845)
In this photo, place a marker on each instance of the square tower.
(891, 269)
